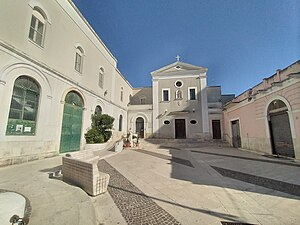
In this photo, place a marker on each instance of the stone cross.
(178, 58)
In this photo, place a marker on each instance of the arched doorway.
(98, 110)
(280, 130)
(139, 127)
(72, 123)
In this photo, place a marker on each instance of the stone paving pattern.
(135, 206)
(171, 158)
(285, 187)
(272, 158)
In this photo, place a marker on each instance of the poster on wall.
(19, 128)
(27, 129)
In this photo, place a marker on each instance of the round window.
(166, 122)
(193, 121)
(178, 84)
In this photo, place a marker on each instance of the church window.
(23, 107)
(192, 93)
(121, 97)
(193, 121)
(166, 122)
(178, 84)
(143, 100)
(79, 59)
(101, 77)
(120, 122)
(37, 27)
(165, 95)
(98, 110)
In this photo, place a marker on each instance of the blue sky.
(239, 41)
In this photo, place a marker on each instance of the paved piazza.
(203, 184)
(166, 183)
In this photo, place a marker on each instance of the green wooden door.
(71, 125)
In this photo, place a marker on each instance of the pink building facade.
(266, 118)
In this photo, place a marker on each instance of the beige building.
(179, 105)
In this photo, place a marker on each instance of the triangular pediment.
(178, 67)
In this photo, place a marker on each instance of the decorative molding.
(52, 71)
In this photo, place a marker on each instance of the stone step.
(180, 143)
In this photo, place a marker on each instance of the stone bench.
(81, 169)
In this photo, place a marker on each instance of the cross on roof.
(178, 58)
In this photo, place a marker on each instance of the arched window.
(143, 100)
(101, 77)
(73, 98)
(24, 107)
(120, 122)
(277, 106)
(37, 27)
(98, 110)
(79, 59)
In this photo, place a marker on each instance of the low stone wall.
(83, 172)
(80, 168)
(16, 152)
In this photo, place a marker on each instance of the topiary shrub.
(101, 129)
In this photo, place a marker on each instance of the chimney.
(278, 74)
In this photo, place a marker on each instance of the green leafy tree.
(101, 129)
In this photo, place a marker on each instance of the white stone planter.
(101, 146)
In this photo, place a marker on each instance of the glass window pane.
(78, 62)
(101, 80)
(40, 27)
(166, 95)
(32, 96)
(15, 114)
(29, 116)
(192, 94)
(18, 92)
(38, 39)
(31, 33)
(16, 103)
(33, 22)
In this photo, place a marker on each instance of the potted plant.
(136, 141)
(100, 131)
(126, 140)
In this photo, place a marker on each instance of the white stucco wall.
(53, 67)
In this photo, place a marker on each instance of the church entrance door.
(180, 132)
(139, 127)
(216, 128)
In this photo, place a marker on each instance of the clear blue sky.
(239, 41)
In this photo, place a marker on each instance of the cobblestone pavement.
(171, 158)
(135, 206)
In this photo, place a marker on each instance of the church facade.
(55, 72)
(178, 105)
